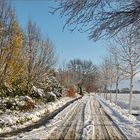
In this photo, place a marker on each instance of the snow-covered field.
(123, 100)
(16, 120)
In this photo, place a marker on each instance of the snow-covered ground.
(123, 100)
(15, 120)
(82, 119)
(129, 124)
(70, 116)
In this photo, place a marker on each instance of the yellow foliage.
(12, 56)
(1, 29)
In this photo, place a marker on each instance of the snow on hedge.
(15, 120)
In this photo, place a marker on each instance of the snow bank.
(127, 123)
(15, 120)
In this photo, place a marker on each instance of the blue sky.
(68, 45)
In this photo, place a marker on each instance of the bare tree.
(118, 74)
(44, 61)
(83, 72)
(62, 75)
(129, 53)
(32, 43)
(40, 56)
(107, 75)
(7, 18)
(100, 17)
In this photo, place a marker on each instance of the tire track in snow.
(64, 125)
(39, 123)
(100, 129)
(83, 119)
(75, 131)
(88, 129)
(105, 127)
(68, 131)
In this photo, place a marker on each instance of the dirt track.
(86, 120)
(82, 119)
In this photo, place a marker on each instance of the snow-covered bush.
(50, 84)
(58, 94)
(17, 88)
(26, 103)
(50, 97)
(16, 103)
(6, 90)
(23, 120)
(7, 103)
(15, 96)
(37, 92)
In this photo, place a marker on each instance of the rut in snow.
(82, 119)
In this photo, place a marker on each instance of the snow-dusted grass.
(129, 124)
(15, 120)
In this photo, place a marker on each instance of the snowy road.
(83, 119)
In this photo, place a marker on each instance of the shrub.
(71, 92)
(28, 103)
(51, 97)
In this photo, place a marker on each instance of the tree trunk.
(104, 95)
(110, 93)
(80, 89)
(117, 84)
(3, 75)
(131, 93)
(106, 92)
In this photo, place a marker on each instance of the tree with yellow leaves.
(12, 56)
